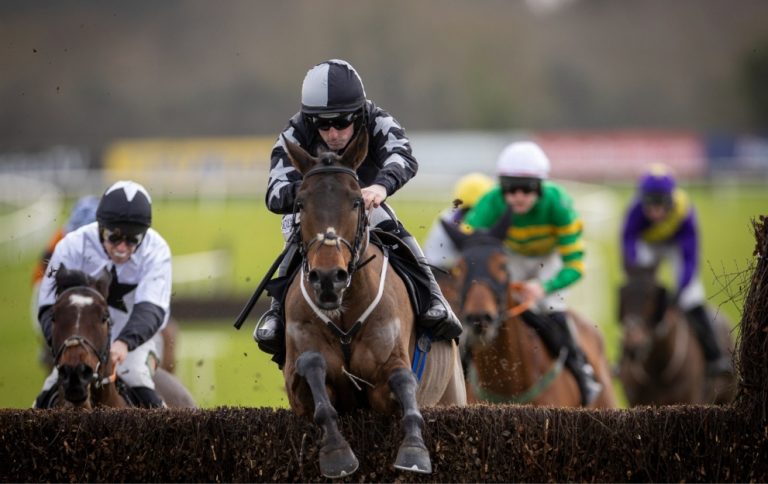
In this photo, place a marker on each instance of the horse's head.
(643, 303)
(331, 218)
(80, 332)
(482, 278)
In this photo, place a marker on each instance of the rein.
(76, 340)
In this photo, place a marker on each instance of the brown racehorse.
(662, 362)
(349, 322)
(507, 361)
(81, 342)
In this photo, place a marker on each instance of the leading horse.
(662, 362)
(505, 359)
(349, 323)
(81, 340)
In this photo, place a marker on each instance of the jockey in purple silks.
(659, 225)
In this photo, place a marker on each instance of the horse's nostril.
(341, 275)
(313, 277)
(86, 372)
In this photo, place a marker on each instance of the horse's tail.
(442, 382)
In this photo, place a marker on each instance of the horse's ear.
(357, 150)
(298, 156)
(458, 237)
(61, 274)
(102, 283)
(500, 228)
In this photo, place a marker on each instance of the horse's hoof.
(413, 459)
(339, 462)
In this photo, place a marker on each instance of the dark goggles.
(341, 121)
(520, 184)
(653, 199)
(116, 236)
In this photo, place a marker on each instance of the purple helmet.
(657, 185)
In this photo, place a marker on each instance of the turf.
(222, 366)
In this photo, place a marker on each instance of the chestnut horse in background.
(80, 337)
(662, 362)
(506, 359)
(349, 321)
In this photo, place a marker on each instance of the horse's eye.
(357, 202)
(105, 318)
(299, 206)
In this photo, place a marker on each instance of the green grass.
(222, 366)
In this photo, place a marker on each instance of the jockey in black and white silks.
(334, 107)
(122, 243)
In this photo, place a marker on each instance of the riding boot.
(270, 329)
(717, 362)
(439, 317)
(148, 397)
(577, 362)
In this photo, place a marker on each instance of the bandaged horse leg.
(336, 457)
(413, 454)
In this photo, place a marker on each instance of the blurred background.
(188, 97)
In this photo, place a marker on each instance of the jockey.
(545, 248)
(660, 224)
(438, 247)
(333, 108)
(139, 259)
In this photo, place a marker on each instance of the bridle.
(330, 237)
(477, 273)
(76, 340)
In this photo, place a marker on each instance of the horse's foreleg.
(336, 457)
(413, 454)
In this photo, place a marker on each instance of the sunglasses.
(339, 122)
(115, 237)
(525, 185)
(657, 200)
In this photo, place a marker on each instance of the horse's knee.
(402, 377)
(310, 360)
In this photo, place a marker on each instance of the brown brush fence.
(472, 444)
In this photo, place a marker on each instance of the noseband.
(76, 339)
(330, 237)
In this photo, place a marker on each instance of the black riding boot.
(555, 335)
(440, 318)
(717, 362)
(148, 397)
(270, 330)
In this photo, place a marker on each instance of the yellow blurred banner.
(207, 156)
